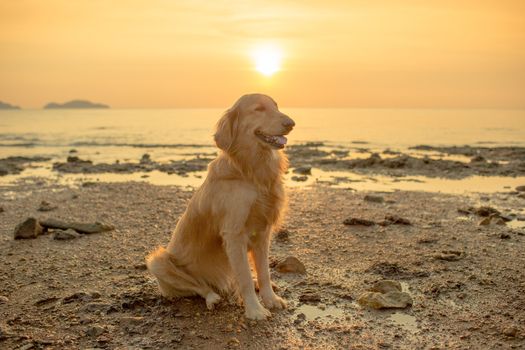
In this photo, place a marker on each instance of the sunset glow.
(267, 60)
(384, 53)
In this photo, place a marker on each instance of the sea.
(108, 135)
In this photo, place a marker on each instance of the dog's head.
(253, 120)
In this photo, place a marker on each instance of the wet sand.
(94, 292)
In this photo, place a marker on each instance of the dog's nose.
(289, 123)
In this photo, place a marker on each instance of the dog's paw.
(211, 299)
(258, 312)
(273, 301)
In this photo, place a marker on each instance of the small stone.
(485, 211)
(95, 330)
(282, 235)
(46, 206)
(146, 159)
(80, 227)
(485, 221)
(520, 188)
(140, 266)
(303, 170)
(234, 342)
(30, 228)
(4, 299)
(291, 265)
(1, 210)
(310, 297)
(394, 220)
(374, 199)
(450, 255)
(388, 300)
(359, 222)
(386, 286)
(301, 178)
(64, 235)
(504, 236)
(511, 331)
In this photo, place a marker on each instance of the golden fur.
(233, 213)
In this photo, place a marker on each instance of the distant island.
(80, 104)
(4, 105)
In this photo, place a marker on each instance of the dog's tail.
(173, 278)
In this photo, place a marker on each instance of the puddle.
(349, 180)
(407, 322)
(516, 224)
(313, 312)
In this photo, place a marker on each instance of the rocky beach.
(360, 269)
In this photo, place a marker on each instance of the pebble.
(291, 265)
(504, 236)
(1, 210)
(310, 297)
(65, 234)
(390, 300)
(46, 206)
(4, 299)
(80, 227)
(374, 199)
(301, 178)
(520, 188)
(30, 228)
(510, 331)
(359, 222)
(450, 255)
(386, 286)
(394, 220)
(303, 170)
(95, 330)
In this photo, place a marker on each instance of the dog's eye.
(260, 109)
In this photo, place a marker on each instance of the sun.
(267, 59)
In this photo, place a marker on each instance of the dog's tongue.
(281, 140)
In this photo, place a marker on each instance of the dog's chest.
(267, 208)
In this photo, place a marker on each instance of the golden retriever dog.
(233, 213)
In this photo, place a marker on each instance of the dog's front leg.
(260, 249)
(236, 246)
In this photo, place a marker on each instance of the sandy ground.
(94, 291)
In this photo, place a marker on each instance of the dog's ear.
(227, 129)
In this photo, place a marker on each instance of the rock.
(4, 299)
(485, 211)
(86, 228)
(1, 210)
(309, 297)
(303, 170)
(386, 286)
(394, 220)
(146, 159)
(520, 188)
(450, 255)
(291, 265)
(46, 206)
(494, 219)
(521, 195)
(510, 331)
(374, 199)
(477, 159)
(504, 236)
(282, 235)
(464, 211)
(388, 300)
(301, 178)
(65, 234)
(95, 330)
(30, 228)
(358, 221)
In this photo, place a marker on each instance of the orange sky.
(383, 53)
